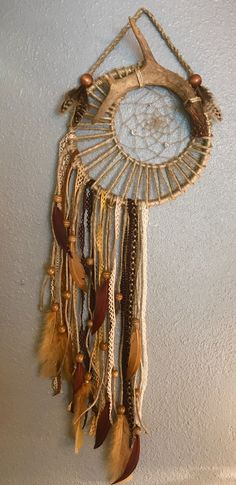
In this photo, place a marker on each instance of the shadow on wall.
(197, 476)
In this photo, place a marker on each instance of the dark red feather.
(133, 460)
(78, 379)
(103, 426)
(100, 306)
(59, 228)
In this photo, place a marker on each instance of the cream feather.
(119, 451)
(52, 347)
(80, 406)
(135, 353)
(77, 270)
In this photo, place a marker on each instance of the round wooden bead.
(121, 410)
(62, 329)
(195, 80)
(136, 322)
(66, 223)
(104, 346)
(57, 198)
(90, 261)
(79, 358)
(90, 323)
(88, 377)
(115, 373)
(66, 295)
(55, 307)
(51, 271)
(72, 238)
(106, 275)
(86, 80)
(119, 297)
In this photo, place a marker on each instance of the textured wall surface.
(190, 400)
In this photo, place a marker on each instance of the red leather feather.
(103, 426)
(100, 306)
(59, 228)
(133, 460)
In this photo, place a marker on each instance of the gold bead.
(115, 373)
(57, 198)
(62, 329)
(51, 271)
(79, 358)
(66, 295)
(72, 238)
(121, 410)
(87, 377)
(90, 261)
(195, 80)
(90, 323)
(86, 80)
(66, 223)
(104, 346)
(136, 322)
(119, 297)
(106, 275)
(55, 307)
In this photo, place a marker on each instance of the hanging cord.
(163, 34)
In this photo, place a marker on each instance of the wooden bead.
(57, 198)
(90, 261)
(88, 377)
(62, 329)
(106, 275)
(115, 373)
(121, 410)
(195, 80)
(104, 346)
(66, 223)
(90, 323)
(51, 271)
(119, 297)
(136, 322)
(55, 307)
(86, 80)
(72, 238)
(66, 295)
(79, 358)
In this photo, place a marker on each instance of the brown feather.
(81, 106)
(135, 353)
(59, 228)
(103, 426)
(100, 306)
(119, 452)
(132, 462)
(52, 347)
(70, 99)
(77, 271)
(78, 378)
(80, 405)
(209, 104)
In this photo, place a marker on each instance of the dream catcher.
(138, 136)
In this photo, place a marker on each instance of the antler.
(153, 74)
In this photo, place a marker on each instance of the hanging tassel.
(132, 462)
(209, 104)
(103, 426)
(77, 271)
(101, 304)
(135, 351)
(59, 228)
(80, 406)
(53, 345)
(119, 452)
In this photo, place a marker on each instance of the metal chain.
(163, 34)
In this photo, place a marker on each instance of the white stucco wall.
(190, 400)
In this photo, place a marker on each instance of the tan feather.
(80, 406)
(135, 353)
(119, 451)
(52, 347)
(77, 271)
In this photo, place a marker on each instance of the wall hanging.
(138, 136)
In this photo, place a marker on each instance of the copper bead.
(57, 198)
(115, 373)
(66, 223)
(87, 377)
(136, 322)
(106, 275)
(55, 307)
(79, 358)
(86, 80)
(90, 323)
(62, 329)
(66, 295)
(121, 410)
(119, 297)
(51, 271)
(195, 80)
(89, 261)
(72, 238)
(104, 346)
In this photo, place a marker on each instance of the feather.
(81, 106)
(80, 406)
(78, 377)
(135, 353)
(77, 271)
(132, 462)
(119, 451)
(68, 364)
(103, 426)
(70, 99)
(59, 228)
(209, 104)
(100, 306)
(52, 347)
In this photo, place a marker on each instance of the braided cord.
(144, 363)
(163, 34)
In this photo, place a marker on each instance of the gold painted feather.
(119, 452)
(80, 406)
(52, 348)
(77, 271)
(135, 353)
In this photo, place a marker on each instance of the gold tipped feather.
(53, 346)
(80, 406)
(77, 271)
(119, 452)
(135, 353)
